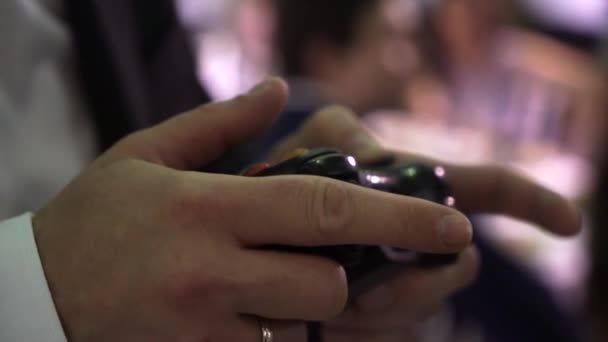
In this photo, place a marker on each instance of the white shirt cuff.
(27, 311)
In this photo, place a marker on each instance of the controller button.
(256, 169)
(294, 154)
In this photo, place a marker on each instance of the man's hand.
(393, 311)
(138, 248)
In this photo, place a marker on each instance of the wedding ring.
(267, 335)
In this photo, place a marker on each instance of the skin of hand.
(139, 248)
(393, 311)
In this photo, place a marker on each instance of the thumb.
(190, 140)
(336, 127)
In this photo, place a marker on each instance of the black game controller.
(366, 266)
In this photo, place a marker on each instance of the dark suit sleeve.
(135, 63)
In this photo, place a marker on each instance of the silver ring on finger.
(267, 334)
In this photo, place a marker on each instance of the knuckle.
(332, 209)
(183, 286)
(181, 203)
(186, 203)
(187, 283)
(178, 283)
(217, 285)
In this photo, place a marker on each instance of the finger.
(313, 211)
(500, 190)
(286, 286)
(432, 285)
(336, 127)
(192, 139)
(413, 297)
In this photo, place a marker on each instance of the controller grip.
(366, 266)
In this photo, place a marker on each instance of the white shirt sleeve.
(27, 311)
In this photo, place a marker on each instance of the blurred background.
(516, 82)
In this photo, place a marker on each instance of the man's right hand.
(137, 248)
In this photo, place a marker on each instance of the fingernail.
(456, 231)
(261, 87)
(377, 299)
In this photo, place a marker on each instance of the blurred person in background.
(355, 53)
(535, 94)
